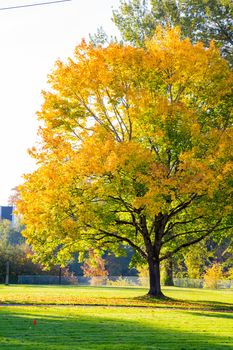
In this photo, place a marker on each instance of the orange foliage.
(135, 149)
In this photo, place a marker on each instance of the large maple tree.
(135, 150)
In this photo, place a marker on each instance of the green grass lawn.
(116, 296)
(68, 328)
(124, 319)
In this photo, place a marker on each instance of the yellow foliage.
(212, 276)
(129, 130)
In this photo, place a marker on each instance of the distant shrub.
(212, 276)
(94, 267)
(69, 276)
(143, 275)
(120, 282)
(188, 282)
(98, 281)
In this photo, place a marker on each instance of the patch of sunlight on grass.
(115, 296)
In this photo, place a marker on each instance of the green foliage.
(202, 20)
(101, 38)
(167, 272)
(10, 234)
(196, 259)
(14, 250)
(230, 274)
(135, 21)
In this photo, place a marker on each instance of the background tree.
(202, 20)
(13, 250)
(94, 267)
(196, 260)
(120, 265)
(193, 262)
(135, 150)
(212, 276)
(168, 272)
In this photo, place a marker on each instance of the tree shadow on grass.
(66, 330)
(215, 315)
(169, 302)
(138, 302)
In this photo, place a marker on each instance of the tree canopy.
(202, 20)
(135, 150)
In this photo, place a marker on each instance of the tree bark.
(59, 277)
(168, 273)
(154, 278)
(7, 273)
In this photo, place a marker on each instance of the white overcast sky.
(31, 39)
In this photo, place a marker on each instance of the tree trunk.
(168, 273)
(154, 278)
(7, 273)
(59, 277)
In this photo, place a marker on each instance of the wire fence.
(117, 281)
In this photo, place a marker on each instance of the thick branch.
(124, 239)
(146, 236)
(159, 226)
(172, 225)
(182, 206)
(194, 231)
(124, 222)
(183, 234)
(187, 244)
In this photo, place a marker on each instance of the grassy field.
(116, 296)
(183, 323)
(68, 328)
